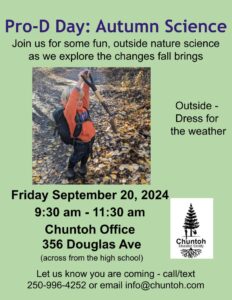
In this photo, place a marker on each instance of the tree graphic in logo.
(191, 222)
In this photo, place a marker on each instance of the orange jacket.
(70, 111)
(85, 98)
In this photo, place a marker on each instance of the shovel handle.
(100, 98)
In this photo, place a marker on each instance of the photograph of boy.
(91, 126)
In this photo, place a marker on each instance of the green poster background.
(187, 166)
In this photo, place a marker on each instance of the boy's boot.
(70, 173)
(83, 169)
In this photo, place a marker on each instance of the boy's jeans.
(81, 152)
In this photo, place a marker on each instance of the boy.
(76, 104)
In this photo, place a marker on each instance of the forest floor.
(121, 158)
